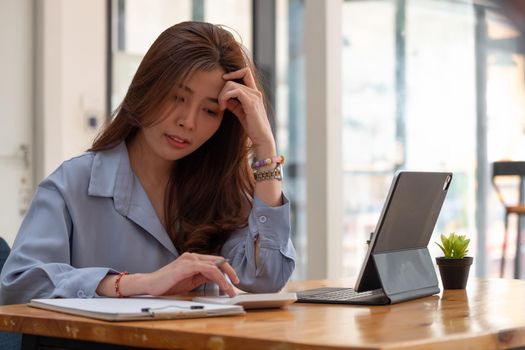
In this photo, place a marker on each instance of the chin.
(176, 155)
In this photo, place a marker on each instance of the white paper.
(119, 309)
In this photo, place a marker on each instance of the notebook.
(131, 309)
(252, 300)
(397, 266)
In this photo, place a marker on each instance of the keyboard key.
(342, 296)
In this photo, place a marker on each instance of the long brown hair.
(210, 190)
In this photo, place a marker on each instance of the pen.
(219, 263)
(191, 307)
(151, 310)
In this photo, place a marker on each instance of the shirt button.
(262, 219)
(81, 294)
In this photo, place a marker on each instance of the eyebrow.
(189, 90)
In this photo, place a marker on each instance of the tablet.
(252, 300)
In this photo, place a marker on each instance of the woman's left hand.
(246, 102)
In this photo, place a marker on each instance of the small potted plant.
(455, 265)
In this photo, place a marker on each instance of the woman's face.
(190, 116)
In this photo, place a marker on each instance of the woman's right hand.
(188, 272)
(182, 275)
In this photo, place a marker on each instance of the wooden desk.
(490, 314)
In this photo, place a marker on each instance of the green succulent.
(454, 246)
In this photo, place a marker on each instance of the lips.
(176, 141)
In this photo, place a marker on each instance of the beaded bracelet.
(271, 174)
(117, 284)
(260, 163)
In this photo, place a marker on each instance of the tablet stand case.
(405, 275)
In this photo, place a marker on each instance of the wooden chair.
(510, 168)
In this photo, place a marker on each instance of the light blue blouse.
(92, 217)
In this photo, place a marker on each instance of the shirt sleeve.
(39, 265)
(277, 253)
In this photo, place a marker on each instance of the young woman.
(167, 190)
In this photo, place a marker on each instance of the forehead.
(205, 84)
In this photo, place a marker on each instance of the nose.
(186, 118)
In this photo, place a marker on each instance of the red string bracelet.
(117, 284)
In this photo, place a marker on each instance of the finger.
(214, 274)
(187, 285)
(238, 94)
(232, 85)
(228, 270)
(235, 107)
(197, 280)
(223, 98)
(206, 257)
(252, 95)
(230, 291)
(245, 74)
(233, 103)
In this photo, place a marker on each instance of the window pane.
(145, 20)
(435, 129)
(441, 106)
(438, 128)
(137, 23)
(370, 152)
(290, 116)
(235, 14)
(506, 129)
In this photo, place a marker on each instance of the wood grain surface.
(489, 314)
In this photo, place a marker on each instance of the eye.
(210, 112)
(178, 98)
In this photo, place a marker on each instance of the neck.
(148, 166)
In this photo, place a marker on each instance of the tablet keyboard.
(330, 295)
